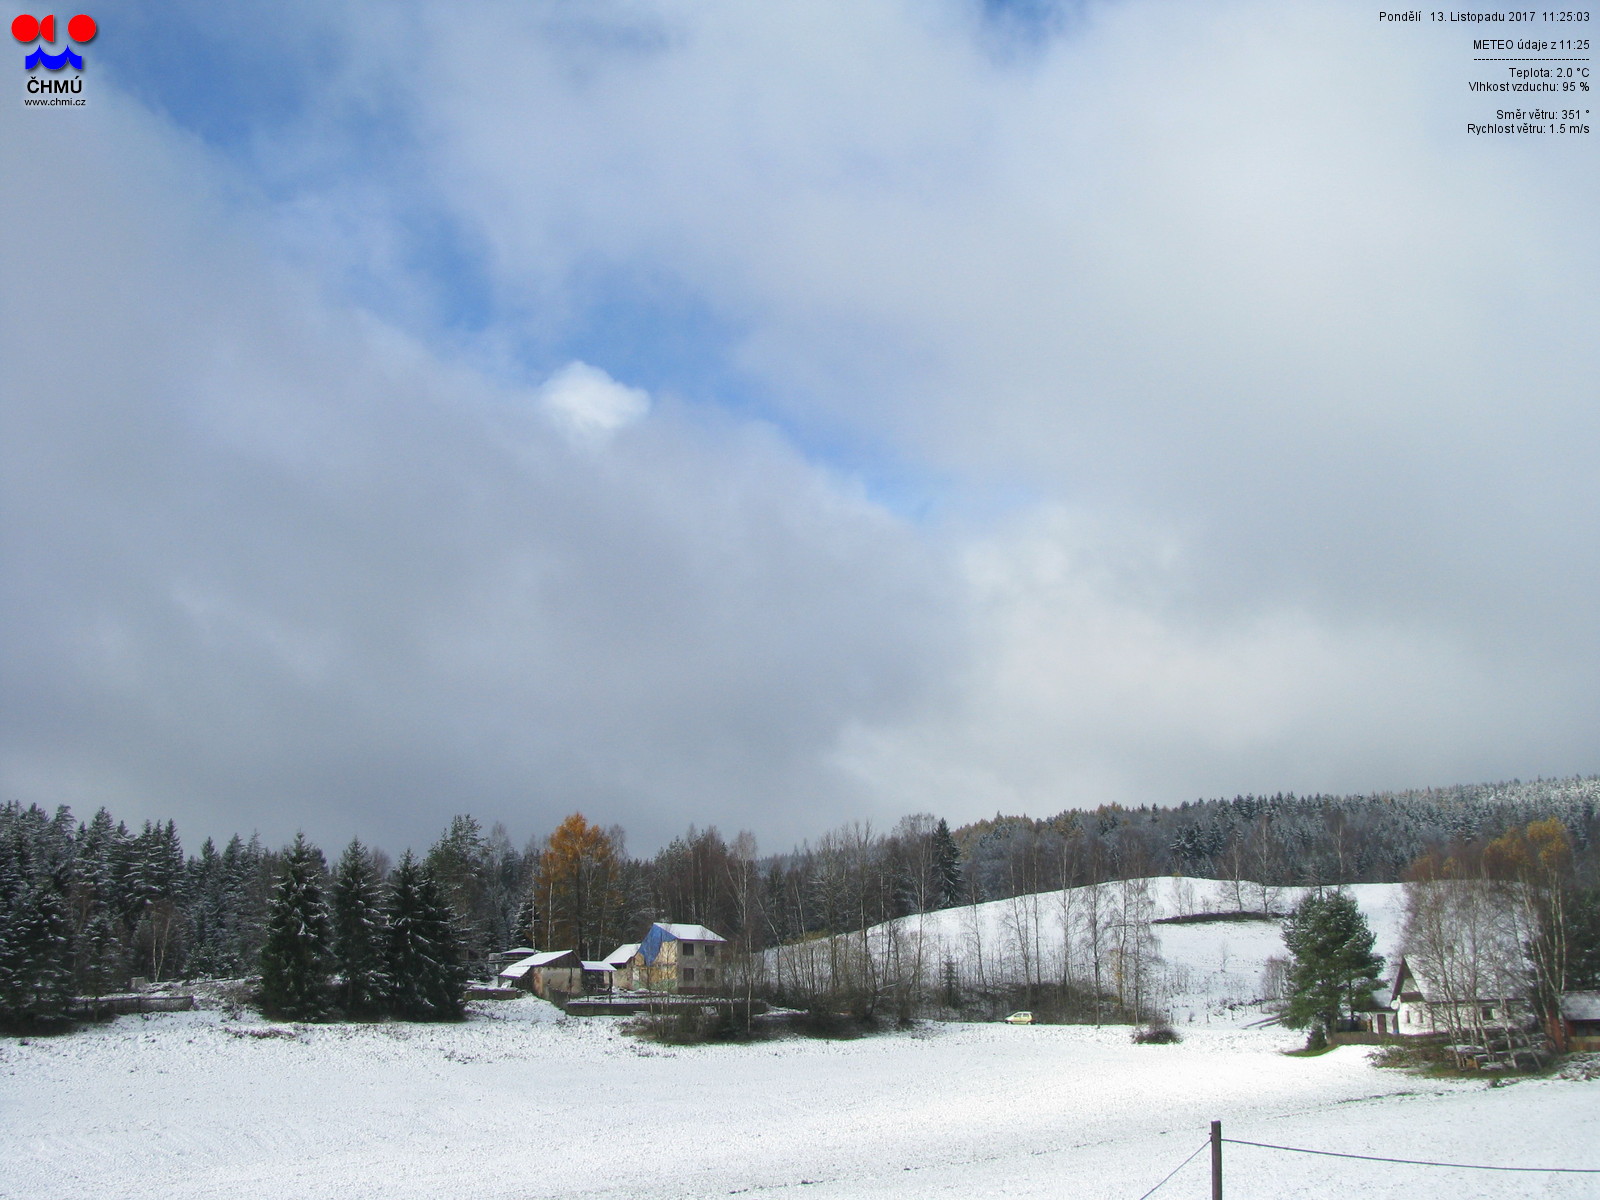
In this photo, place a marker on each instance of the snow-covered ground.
(1215, 971)
(1208, 975)
(521, 1102)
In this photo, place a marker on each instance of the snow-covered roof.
(521, 967)
(622, 954)
(664, 931)
(546, 958)
(1581, 1006)
(1421, 984)
(598, 966)
(1418, 983)
(690, 933)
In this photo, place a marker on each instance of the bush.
(1157, 1033)
(1407, 1055)
(681, 1027)
(823, 1022)
(1436, 1056)
(691, 1025)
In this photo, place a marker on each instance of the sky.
(776, 415)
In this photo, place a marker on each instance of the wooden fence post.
(1216, 1160)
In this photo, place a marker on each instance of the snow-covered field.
(520, 1101)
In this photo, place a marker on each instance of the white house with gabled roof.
(675, 957)
(1420, 1006)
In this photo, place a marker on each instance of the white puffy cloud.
(589, 405)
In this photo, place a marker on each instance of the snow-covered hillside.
(1209, 973)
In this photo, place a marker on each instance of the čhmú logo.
(30, 29)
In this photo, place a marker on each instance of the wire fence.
(1198, 1150)
(1216, 1143)
(1417, 1162)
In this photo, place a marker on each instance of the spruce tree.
(458, 862)
(1334, 969)
(35, 954)
(250, 873)
(1583, 939)
(358, 932)
(947, 864)
(155, 884)
(102, 960)
(426, 980)
(447, 992)
(211, 950)
(95, 858)
(294, 959)
(35, 929)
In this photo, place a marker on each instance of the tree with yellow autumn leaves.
(579, 902)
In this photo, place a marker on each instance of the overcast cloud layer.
(773, 415)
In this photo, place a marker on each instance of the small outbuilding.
(499, 960)
(547, 973)
(622, 961)
(515, 954)
(1580, 1020)
(598, 977)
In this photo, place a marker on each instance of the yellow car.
(1020, 1018)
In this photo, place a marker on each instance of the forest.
(86, 906)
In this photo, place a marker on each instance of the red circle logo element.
(82, 28)
(25, 28)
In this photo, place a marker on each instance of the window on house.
(711, 951)
(688, 974)
(688, 949)
(709, 974)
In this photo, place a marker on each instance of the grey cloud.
(1220, 275)
(272, 565)
(1168, 267)
(1299, 384)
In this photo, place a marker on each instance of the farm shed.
(1580, 1020)
(546, 973)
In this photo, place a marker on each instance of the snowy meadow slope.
(1209, 973)
(520, 1101)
